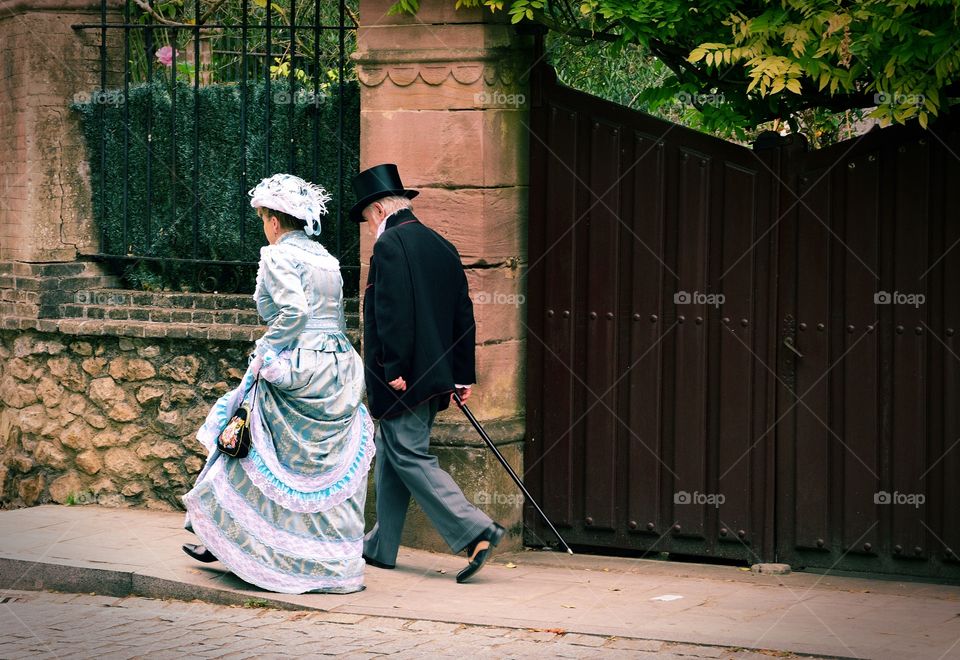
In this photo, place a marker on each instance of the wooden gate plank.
(602, 265)
(556, 451)
(909, 369)
(690, 401)
(645, 461)
(945, 464)
(814, 436)
(734, 320)
(858, 251)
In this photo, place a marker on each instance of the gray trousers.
(404, 467)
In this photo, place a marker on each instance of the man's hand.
(398, 384)
(463, 393)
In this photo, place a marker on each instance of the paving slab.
(121, 552)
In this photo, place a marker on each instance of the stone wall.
(106, 419)
(111, 420)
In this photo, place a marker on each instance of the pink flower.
(165, 55)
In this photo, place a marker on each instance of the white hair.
(394, 203)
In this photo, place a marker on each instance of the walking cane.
(506, 465)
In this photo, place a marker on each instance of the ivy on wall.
(153, 165)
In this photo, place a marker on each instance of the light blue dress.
(289, 517)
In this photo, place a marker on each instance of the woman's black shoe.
(377, 564)
(493, 535)
(194, 551)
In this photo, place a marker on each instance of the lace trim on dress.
(267, 455)
(346, 486)
(252, 571)
(316, 254)
(274, 537)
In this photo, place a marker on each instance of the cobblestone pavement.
(43, 624)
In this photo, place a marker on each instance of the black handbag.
(234, 439)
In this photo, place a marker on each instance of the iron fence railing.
(211, 97)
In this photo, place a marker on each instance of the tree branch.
(568, 30)
(158, 17)
(207, 14)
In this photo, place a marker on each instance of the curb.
(24, 575)
(42, 576)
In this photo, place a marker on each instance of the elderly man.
(418, 341)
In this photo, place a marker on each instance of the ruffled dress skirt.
(289, 517)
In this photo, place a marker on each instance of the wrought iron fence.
(212, 96)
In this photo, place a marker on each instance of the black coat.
(417, 318)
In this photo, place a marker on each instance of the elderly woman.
(289, 516)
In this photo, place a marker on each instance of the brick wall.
(44, 187)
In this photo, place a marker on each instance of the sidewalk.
(124, 551)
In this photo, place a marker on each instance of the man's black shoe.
(377, 564)
(493, 535)
(194, 551)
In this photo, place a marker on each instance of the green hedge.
(223, 203)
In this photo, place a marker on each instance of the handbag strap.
(253, 388)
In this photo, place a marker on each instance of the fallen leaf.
(510, 564)
(569, 607)
(555, 631)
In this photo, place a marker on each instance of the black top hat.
(376, 183)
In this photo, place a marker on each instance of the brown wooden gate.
(674, 282)
(868, 433)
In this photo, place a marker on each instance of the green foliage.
(161, 218)
(306, 53)
(621, 75)
(792, 61)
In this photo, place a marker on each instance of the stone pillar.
(44, 176)
(444, 95)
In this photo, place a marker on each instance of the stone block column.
(444, 95)
(44, 176)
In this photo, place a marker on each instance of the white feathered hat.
(292, 195)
